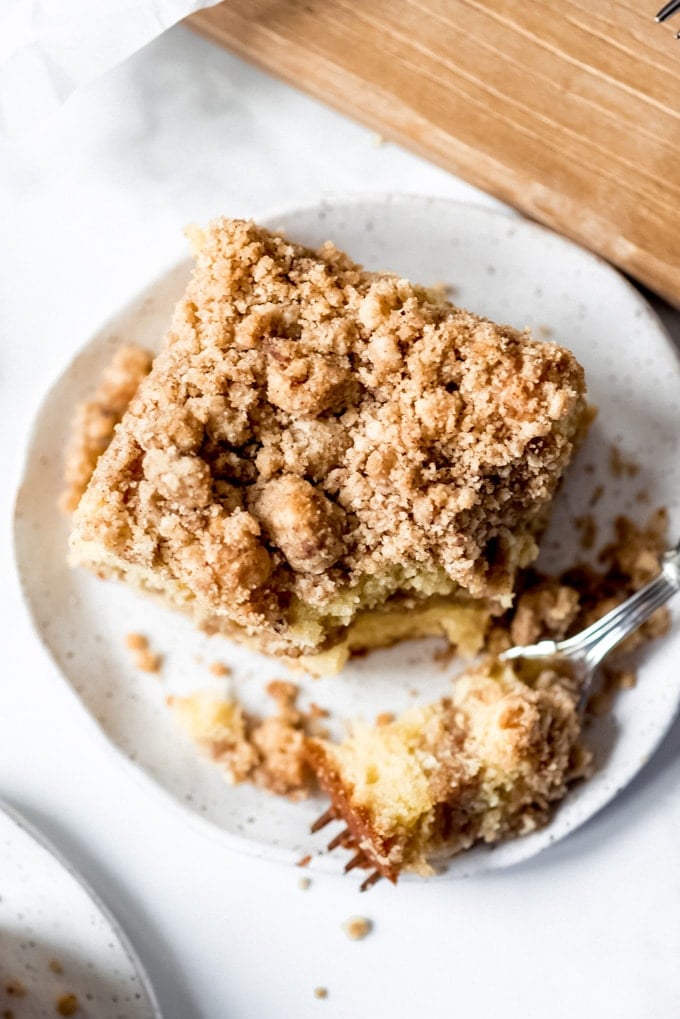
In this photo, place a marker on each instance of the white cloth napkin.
(50, 47)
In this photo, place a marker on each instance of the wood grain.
(572, 116)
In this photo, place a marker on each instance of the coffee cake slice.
(324, 459)
(488, 763)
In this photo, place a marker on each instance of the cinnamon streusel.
(324, 458)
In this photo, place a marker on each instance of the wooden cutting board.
(567, 109)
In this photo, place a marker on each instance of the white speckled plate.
(56, 939)
(500, 266)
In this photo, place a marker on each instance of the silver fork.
(586, 650)
(667, 10)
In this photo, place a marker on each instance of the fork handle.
(595, 642)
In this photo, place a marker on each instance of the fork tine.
(371, 880)
(670, 8)
(322, 821)
(356, 861)
(340, 840)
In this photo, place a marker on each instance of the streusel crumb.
(136, 642)
(147, 661)
(357, 928)
(219, 669)
(96, 419)
(269, 752)
(314, 439)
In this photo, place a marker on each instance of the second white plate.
(57, 940)
(499, 266)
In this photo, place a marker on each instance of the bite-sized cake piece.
(324, 458)
(269, 752)
(485, 764)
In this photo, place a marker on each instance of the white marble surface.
(91, 205)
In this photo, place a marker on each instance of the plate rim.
(514, 851)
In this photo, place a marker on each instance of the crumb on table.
(15, 988)
(320, 992)
(304, 883)
(357, 927)
(384, 718)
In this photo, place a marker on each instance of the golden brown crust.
(309, 424)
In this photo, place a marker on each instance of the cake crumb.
(357, 927)
(269, 752)
(304, 883)
(67, 1004)
(588, 530)
(620, 466)
(597, 494)
(384, 718)
(545, 331)
(55, 966)
(305, 861)
(282, 691)
(219, 669)
(143, 658)
(147, 661)
(316, 711)
(136, 642)
(320, 992)
(15, 989)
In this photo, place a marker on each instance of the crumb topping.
(309, 424)
(96, 419)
